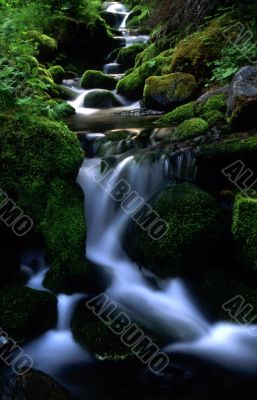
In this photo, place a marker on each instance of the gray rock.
(242, 101)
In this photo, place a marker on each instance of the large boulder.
(33, 385)
(196, 225)
(96, 79)
(100, 98)
(242, 102)
(169, 91)
(25, 312)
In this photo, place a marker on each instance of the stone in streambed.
(97, 79)
(100, 98)
(25, 312)
(196, 226)
(169, 91)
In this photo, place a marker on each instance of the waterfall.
(170, 308)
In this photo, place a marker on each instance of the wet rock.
(34, 385)
(242, 101)
(97, 79)
(100, 99)
(169, 91)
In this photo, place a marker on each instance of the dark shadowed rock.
(34, 385)
(242, 101)
(100, 98)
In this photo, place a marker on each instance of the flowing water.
(166, 306)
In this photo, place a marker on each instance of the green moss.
(147, 54)
(46, 157)
(213, 118)
(46, 45)
(26, 312)
(180, 114)
(194, 53)
(132, 85)
(127, 56)
(64, 229)
(244, 229)
(57, 72)
(117, 135)
(191, 128)
(196, 224)
(168, 91)
(96, 79)
(100, 98)
(214, 103)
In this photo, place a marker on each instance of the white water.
(170, 309)
(55, 349)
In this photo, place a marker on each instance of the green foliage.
(214, 103)
(213, 117)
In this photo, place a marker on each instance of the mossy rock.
(132, 85)
(64, 229)
(169, 91)
(46, 156)
(216, 288)
(75, 37)
(127, 56)
(212, 111)
(100, 98)
(147, 54)
(244, 229)
(191, 128)
(196, 225)
(180, 114)
(26, 312)
(47, 46)
(213, 158)
(96, 336)
(57, 72)
(116, 136)
(96, 79)
(195, 53)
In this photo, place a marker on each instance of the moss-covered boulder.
(60, 110)
(25, 312)
(96, 79)
(169, 91)
(40, 160)
(132, 85)
(57, 72)
(244, 229)
(100, 98)
(191, 128)
(127, 56)
(75, 37)
(195, 227)
(47, 46)
(64, 229)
